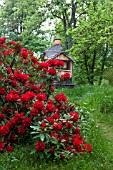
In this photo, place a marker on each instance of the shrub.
(30, 112)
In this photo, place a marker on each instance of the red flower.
(17, 118)
(50, 101)
(36, 88)
(56, 63)
(52, 89)
(44, 65)
(54, 135)
(41, 96)
(88, 147)
(52, 71)
(2, 117)
(50, 108)
(4, 130)
(26, 122)
(57, 126)
(9, 149)
(69, 125)
(15, 121)
(39, 105)
(12, 97)
(2, 146)
(21, 130)
(74, 116)
(2, 90)
(25, 98)
(77, 142)
(6, 53)
(76, 131)
(68, 148)
(1, 63)
(65, 76)
(20, 76)
(43, 125)
(60, 97)
(9, 70)
(40, 146)
(34, 112)
(50, 119)
(2, 40)
(24, 53)
(56, 116)
(62, 156)
(52, 150)
(35, 60)
(12, 43)
(65, 138)
(13, 137)
(13, 83)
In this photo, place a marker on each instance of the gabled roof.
(55, 51)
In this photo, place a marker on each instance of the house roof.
(55, 51)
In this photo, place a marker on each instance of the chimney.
(57, 41)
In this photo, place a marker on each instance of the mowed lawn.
(98, 131)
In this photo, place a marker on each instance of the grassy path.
(99, 102)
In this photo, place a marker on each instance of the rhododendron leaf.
(48, 155)
(34, 132)
(67, 116)
(27, 114)
(41, 155)
(46, 151)
(42, 137)
(35, 128)
(33, 151)
(63, 140)
(54, 141)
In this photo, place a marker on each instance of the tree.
(93, 41)
(22, 20)
(67, 14)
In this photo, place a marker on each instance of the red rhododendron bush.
(30, 111)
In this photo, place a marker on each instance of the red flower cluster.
(56, 63)
(41, 96)
(2, 90)
(18, 75)
(40, 146)
(12, 96)
(2, 40)
(24, 53)
(65, 76)
(29, 95)
(60, 97)
(52, 71)
(2, 146)
(2, 117)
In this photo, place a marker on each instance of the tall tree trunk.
(65, 29)
(92, 68)
(86, 67)
(103, 64)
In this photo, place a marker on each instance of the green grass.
(98, 100)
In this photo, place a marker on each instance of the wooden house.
(57, 52)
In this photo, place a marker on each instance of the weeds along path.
(107, 128)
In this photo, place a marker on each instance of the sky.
(1, 2)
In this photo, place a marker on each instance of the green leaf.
(42, 137)
(35, 128)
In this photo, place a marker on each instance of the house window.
(66, 65)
